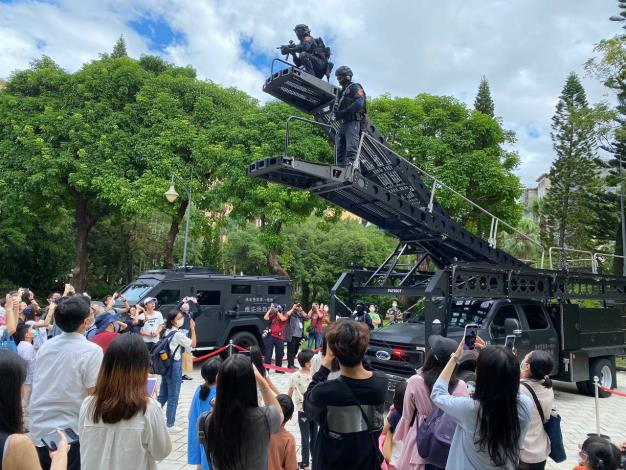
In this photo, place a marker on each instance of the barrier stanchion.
(230, 348)
(614, 392)
(596, 386)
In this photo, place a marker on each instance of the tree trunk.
(562, 223)
(306, 294)
(272, 261)
(171, 236)
(84, 222)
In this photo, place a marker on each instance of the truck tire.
(469, 377)
(245, 339)
(604, 369)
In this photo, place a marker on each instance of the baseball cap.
(104, 320)
(442, 348)
(149, 299)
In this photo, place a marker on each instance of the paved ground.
(578, 413)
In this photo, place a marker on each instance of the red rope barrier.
(211, 354)
(614, 392)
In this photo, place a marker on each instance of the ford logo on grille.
(383, 355)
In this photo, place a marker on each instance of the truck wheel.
(244, 339)
(604, 369)
(469, 377)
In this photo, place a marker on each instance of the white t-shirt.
(27, 352)
(66, 366)
(179, 339)
(300, 383)
(151, 325)
(137, 443)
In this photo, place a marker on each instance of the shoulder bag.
(552, 428)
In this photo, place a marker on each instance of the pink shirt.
(417, 396)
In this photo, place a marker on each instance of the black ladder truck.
(474, 281)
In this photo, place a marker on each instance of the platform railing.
(436, 183)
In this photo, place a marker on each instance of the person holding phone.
(491, 424)
(152, 323)
(17, 451)
(275, 340)
(120, 426)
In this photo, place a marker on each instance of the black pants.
(271, 343)
(292, 350)
(73, 457)
(308, 435)
(347, 142)
(531, 466)
(312, 64)
(430, 466)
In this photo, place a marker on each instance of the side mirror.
(512, 327)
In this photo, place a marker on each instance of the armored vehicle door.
(538, 331)
(168, 294)
(498, 331)
(211, 323)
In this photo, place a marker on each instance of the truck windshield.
(462, 312)
(136, 291)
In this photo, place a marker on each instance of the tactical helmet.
(343, 70)
(302, 27)
(360, 306)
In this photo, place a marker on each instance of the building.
(537, 192)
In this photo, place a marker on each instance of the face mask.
(522, 366)
(179, 323)
(35, 334)
(372, 308)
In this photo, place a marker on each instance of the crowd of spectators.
(90, 402)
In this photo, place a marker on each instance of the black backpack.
(321, 50)
(161, 357)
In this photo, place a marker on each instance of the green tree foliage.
(119, 49)
(573, 175)
(460, 147)
(315, 251)
(483, 102)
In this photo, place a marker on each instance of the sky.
(525, 48)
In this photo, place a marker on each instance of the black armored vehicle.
(232, 306)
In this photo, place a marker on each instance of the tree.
(460, 147)
(483, 102)
(119, 49)
(573, 175)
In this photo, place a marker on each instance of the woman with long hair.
(238, 431)
(172, 380)
(417, 403)
(256, 356)
(490, 425)
(120, 426)
(536, 385)
(202, 402)
(17, 451)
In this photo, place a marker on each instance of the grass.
(621, 362)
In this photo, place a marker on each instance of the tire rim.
(606, 379)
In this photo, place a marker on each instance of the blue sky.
(526, 49)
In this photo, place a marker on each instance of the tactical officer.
(349, 109)
(311, 53)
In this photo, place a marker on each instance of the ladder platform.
(298, 174)
(301, 90)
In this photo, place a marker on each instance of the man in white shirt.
(66, 372)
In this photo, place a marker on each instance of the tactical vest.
(346, 100)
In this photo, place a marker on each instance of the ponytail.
(541, 365)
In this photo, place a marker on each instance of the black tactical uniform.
(311, 52)
(350, 110)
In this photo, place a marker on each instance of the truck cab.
(399, 350)
(232, 306)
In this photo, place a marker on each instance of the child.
(298, 384)
(392, 449)
(26, 350)
(282, 451)
(597, 453)
(202, 402)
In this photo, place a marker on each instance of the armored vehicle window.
(168, 297)
(497, 326)
(276, 290)
(134, 292)
(208, 297)
(240, 289)
(463, 312)
(536, 317)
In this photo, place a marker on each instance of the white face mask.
(372, 308)
(179, 322)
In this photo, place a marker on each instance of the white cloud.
(525, 48)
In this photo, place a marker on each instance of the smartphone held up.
(470, 334)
